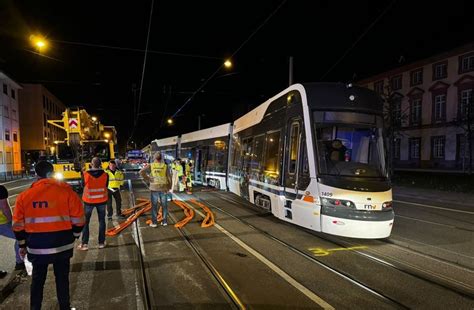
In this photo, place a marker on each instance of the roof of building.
(419, 63)
(6, 77)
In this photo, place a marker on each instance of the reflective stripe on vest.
(115, 178)
(50, 250)
(158, 172)
(95, 189)
(46, 219)
(78, 220)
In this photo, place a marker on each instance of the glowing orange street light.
(39, 42)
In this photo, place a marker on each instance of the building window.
(13, 114)
(1, 157)
(13, 94)
(5, 89)
(396, 82)
(440, 107)
(15, 137)
(466, 63)
(6, 111)
(415, 111)
(440, 70)
(378, 87)
(438, 145)
(416, 77)
(7, 135)
(396, 148)
(44, 102)
(9, 158)
(466, 98)
(415, 144)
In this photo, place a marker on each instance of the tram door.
(292, 157)
(245, 169)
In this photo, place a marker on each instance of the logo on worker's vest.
(40, 204)
(72, 123)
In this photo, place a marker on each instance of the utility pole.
(199, 122)
(290, 71)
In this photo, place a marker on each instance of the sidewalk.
(99, 279)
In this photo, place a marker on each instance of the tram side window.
(272, 152)
(246, 153)
(294, 146)
(217, 152)
(257, 156)
(235, 154)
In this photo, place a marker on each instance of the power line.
(358, 39)
(143, 71)
(135, 49)
(233, 54)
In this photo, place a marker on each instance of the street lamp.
(94, 118)
(39, 42)
(170, 121)
(228, 64)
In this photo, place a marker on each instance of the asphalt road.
(7, 254)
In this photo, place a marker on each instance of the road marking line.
(433, 207)
(308, 293)
(415, 219)
(10, 189)
(13, 181)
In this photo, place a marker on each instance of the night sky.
(189, 40)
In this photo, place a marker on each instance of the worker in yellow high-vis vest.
(189, 181)
(158, 175)
(116, 179)
(6, 228)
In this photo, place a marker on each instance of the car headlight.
(58, 176)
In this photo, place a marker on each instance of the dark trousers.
(118, 203)
(101, 214)
(61, 273)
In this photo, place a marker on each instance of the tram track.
(344, 275)
(145, 278)
(443, 282)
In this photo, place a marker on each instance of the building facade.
(10, 148)
(38, 105)
(429, 101)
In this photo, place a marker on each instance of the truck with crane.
(85, 138)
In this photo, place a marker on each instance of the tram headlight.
(387, 205)
(330, 202)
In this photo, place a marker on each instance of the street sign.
(73, 123)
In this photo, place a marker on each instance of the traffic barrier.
(187, 211)
(138, 212)
(209, 219)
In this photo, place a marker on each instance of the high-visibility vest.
(179, 169)
(95, 189)
(115, 178)
(3, 218)
(51, 213)
(188, 169)
(158, 172)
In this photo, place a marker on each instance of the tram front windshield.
(350, 144)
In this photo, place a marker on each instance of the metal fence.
(12, 175)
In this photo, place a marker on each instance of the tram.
(313, 155)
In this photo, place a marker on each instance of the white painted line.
(13, 181)
(433, 207)
(315, 298)
(418, 220)
(10, 189)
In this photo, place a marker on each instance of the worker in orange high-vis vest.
(47, 218)
(95, 195)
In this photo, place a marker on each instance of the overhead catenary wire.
(131, 49)
(233, 54)
(387, 8)
(143, 72)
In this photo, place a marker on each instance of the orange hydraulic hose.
(187, 211)
(129, 211)
(115, 230)
(159, 217)
(209, 219)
